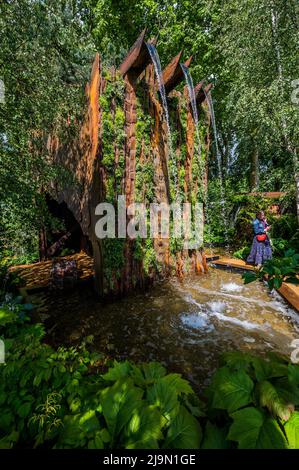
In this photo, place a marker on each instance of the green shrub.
(242, 253)
(69, 398)
(284, 227)
(253, 403)
(279, 245)
(60, 398)
(277, 270)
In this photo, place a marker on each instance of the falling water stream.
(159, 75)
(191, 91)
(218, 157)
(184, 324)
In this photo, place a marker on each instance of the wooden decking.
(37, 275)
(289, 291)
(233, 263)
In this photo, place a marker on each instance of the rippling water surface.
(186, 325)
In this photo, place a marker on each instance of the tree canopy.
(249, 50)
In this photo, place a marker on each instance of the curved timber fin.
(173, 74)
(137, 58)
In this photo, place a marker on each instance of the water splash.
(232, 287)
(159, 75)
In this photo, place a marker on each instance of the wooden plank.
(234, 263)
(38, 275)
(137, 55)
(269, 194)
(291, 293)
(172, 74)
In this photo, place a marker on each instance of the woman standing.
(261, 249)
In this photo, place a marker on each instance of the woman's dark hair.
(258, 214)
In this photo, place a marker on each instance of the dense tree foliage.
(249, 50)
(44, 63)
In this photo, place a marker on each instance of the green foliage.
(285, 233)
(59, 398)
(113, 249)
(253, 429)
(292, 431)
(232, 389)
(276, 271)
(254, 399)
(284, 226)
(45, 60)
(242, 253)
(69, 398)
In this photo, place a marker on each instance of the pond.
(185, 325)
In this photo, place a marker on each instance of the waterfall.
(191, 91)
(218, 157)
(213, 120)
(158, 72)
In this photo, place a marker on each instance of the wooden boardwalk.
(38, 275)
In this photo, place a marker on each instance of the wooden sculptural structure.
(84, 158)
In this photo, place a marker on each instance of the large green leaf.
(196, 406)
(266, 369)
(286, 390)
(118, 371)
(232, 390)
(176, 382)
(184, 432)
(153, 370)
(96, 442)
(147, 373)
(270, 399)
(77, 427)
(214, 437)
(253, 429)
(164, 396)
(7, 442)
(119, 403)
(292, 430)
(144, 429)
(236, 360)
(249, 276)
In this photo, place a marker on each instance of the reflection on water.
(185, 325)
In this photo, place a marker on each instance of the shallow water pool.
(185, 325)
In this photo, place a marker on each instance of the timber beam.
(137, 58)
(173, 73)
